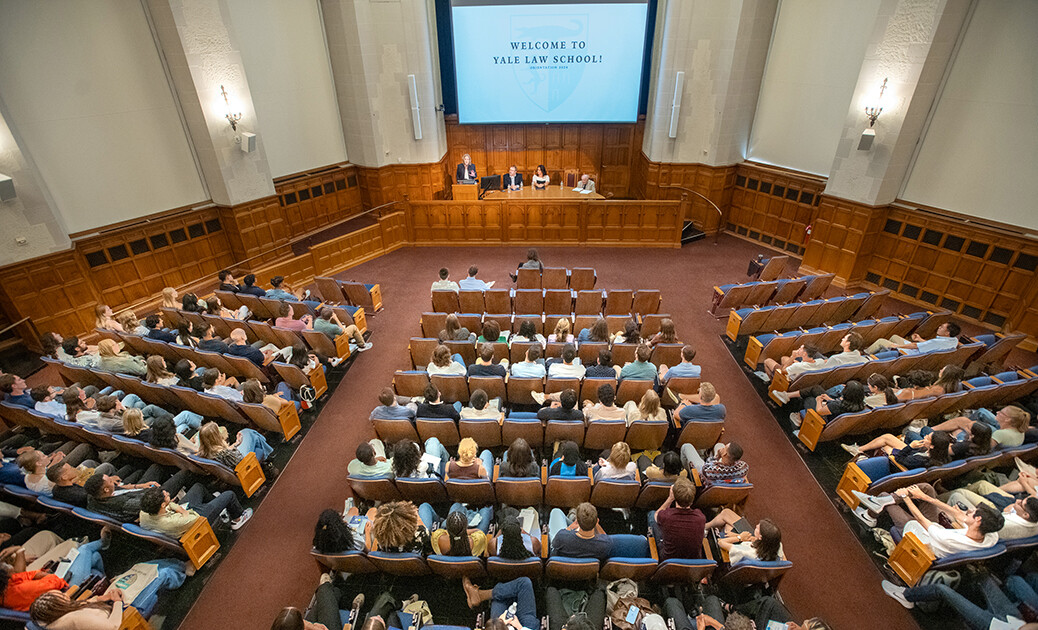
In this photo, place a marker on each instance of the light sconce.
(872, 113)
(231, 117)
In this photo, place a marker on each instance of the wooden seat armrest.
(544, 545)
(696, 478)
(893, 462)
(497, 471)
(652, 548)
(544, 475)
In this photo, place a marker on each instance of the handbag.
(623, 606)
(624, 587)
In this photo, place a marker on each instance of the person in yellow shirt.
(160, 514)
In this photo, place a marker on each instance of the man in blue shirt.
(947, 338)
(583, 538)
(704, 406)
(154, 325)
(279, 293)
(472, 283)
(391, 409)
(13, 388)
(641, 369)
(529, 368)
(685, 369)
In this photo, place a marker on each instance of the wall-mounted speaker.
(248, 142)
(416, 120)
(6, 188)
(675, 106)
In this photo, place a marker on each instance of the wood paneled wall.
(652, 180)
(616, 223)
(391, 183)
(773, 206)
(606, 151)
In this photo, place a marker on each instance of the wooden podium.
(465, 192)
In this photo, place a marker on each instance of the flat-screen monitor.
(490, 182)
(548, 61)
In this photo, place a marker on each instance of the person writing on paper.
(514, 179)
(540, 178)
(586, 183)
(466, 170)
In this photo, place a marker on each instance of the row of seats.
(421, 349)
(543, 324)
(641, 435)
(286, 422)
(357, 294)
(552, 301)
(761, 292)
(753, 319)
(231, 365)
(552, 491)
(827, 338)
(578, 278)
(978, 392)
(888, 363)
(633, 557)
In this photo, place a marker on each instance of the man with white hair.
(586, 183)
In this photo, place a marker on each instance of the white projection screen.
(548, 61)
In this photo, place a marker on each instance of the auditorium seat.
(589, 302)
(522, 426)
(528, 279)
(555, 278)
(615, 493)
(486, 433)
(348, 562)
(571, 569)
(630, 558)
(567, 492)
(602, 434)
(443, 429)
(399, 564)
(392, 431)
(494, 386)
(456, 567)
(498, 301)
(445, 301)
(418, 491)
(410, 383)
(471, 491)
(582, 279)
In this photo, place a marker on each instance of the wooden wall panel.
(53, 290)
(379, 186)
(774, 206)
(650, 180)
(606, 151)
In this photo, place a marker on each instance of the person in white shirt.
(803, 359)
(850, 353)
(1021, 516)
(570, 366)
(444, 284)
(482, 408)
(443, 363)
(946, 339)
(215, 383)
(45, 403)
(472, 283)
(981, 525)
(617, 464)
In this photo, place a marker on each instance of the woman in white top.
(562, 332)
(527, 332)
(443, 363)
(618, 465)
(540, 178)
(34, 464)
(157, 372)
(765, 543)
(648, 409)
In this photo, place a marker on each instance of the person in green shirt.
(641, 369)
(330, 325)
(492, 333)
(371, 460)
(160, 514)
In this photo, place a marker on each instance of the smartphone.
(632, 614)
(962, 506)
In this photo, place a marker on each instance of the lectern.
(465, 192)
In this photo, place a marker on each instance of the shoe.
(241, 520)
(874, 503)
(335, 361)
(898, 593)
(781, 397)
(796, 419)
(225, 517)
(762, 376)
(358, 601)
(852, 449)
(539, 397)
(326, 578)
(106, 537)
(862, 514)
(365, 347)
(347, 506)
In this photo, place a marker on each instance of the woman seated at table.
(540, 178)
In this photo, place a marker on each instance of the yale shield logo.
(543, 42)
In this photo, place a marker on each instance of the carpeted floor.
(270, 567)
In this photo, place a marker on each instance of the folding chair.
(445, 301)
(554, 278)
(582, 279)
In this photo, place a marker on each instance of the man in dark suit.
(466, 170)
(512, 181)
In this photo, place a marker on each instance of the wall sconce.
(872, 113)
(231, 118)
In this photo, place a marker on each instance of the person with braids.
(400, 527)
(765, 543)
(335, 533)
(456, 538)
(55, 610)
(511, 542)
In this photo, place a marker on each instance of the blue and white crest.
(548, 84)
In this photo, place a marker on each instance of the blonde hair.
(211, 440)
(562, 330)
(620, 455)
(128, 321)
(467, 451)
(1018, 418)
(169, 298)
(395, 524)
(133, 421)
(100, 319)
(156, 369)
(649, 405)
(707, 392)
(108, 348)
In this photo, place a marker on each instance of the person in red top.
(19, 587)
(306, 322)
(679, 530)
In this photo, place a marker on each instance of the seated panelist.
(513, 180)
(466, 170)
(540, 178)
(586, 183)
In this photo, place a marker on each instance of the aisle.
(270, 566)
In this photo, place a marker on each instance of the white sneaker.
(335, 361)
(365, 347)
(796, 419)
(539, 397)
(781, 397)
(762, 376)
(852, 449)
(326, 578)
(241, 520)
(897, 592)
(874, 503)
(862, 514)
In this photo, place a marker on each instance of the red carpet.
(270, 567)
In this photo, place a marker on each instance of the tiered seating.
(827, 338)
(753, 319)
(360, 295)
(761, 292)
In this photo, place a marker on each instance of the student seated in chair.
(370, 460)
(725, 465)
(685, 369)
(287, 319)
(604, 367)
(518, 592)
(763, 543)
(282, 291)
(667, 334)
(454, 331)
(444, 283)
(980, 525)
(481, 408)
(492, 333)
(705, 406)
(598, 333)
(472, 283)
(1008, 425)
(113, 359)
(665, 467)
(400, 527)
(568, 462)
(605, 408)
(569, 366)
(850, 354)
(434, 407)
(227, 281)
(126, 506)
(947, 337)
(155, 331)
(249, 286)
(640, 369)
(467, 465)
(615, 463)
(331, 326)
(484, 365)
(562, 406)
(582, 537)
(78, 353)
(456, 538)
(240, 347)
(393, 407)
(410, 462)
(806, 358)
(646, 410)
(518, 461)
(217, 383)
(212, 444)
(532, 367)
(827, 403)
(527, 332)
(443, 363)
(677, 526)
(161, 514)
